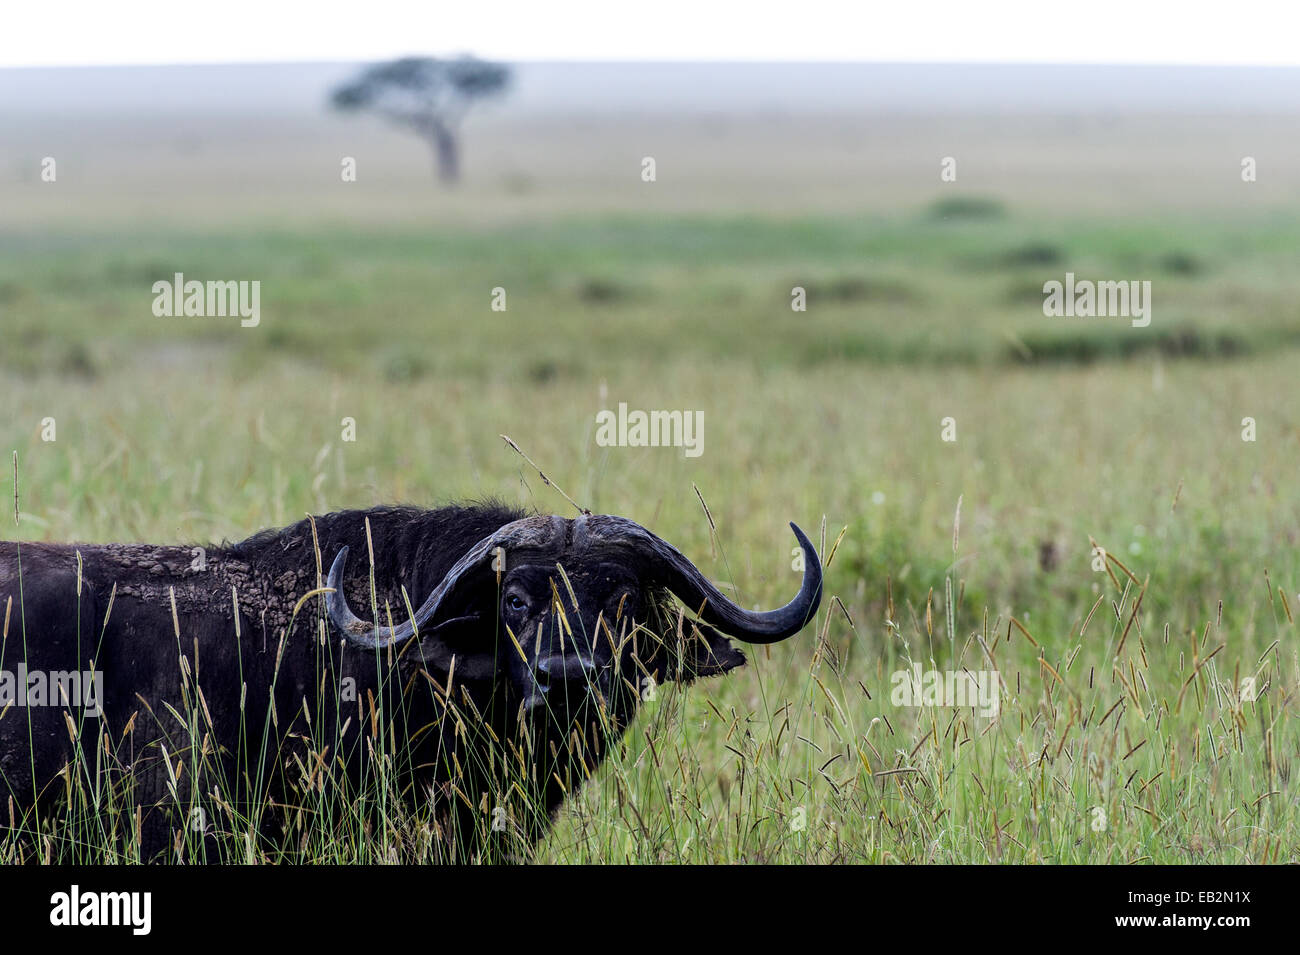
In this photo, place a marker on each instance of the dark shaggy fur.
(271, 709)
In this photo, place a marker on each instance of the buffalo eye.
(516, 603)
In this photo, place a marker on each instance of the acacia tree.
(428, 96)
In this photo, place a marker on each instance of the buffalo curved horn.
(686, 581)
(528, 533)
(666, 564)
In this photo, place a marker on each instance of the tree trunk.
(447, 152)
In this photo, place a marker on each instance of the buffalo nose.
(562, 668)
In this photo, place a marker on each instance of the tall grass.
(1123, 733)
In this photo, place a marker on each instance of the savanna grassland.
(1124, 734)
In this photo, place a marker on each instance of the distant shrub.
(541, 372)
(77, 361)
(966, 208)
(140, 273)
(1182, 263)
(1032, 254)
(856, 288)
(1086, 347)
(544, 371)
(602, 291)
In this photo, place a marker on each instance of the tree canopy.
(428, 95)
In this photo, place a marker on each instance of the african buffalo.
(233, 691)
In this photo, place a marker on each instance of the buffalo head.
(561, 614)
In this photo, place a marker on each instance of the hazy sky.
(81, 32)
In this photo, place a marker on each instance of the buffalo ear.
(436, 647)
(706, 653)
